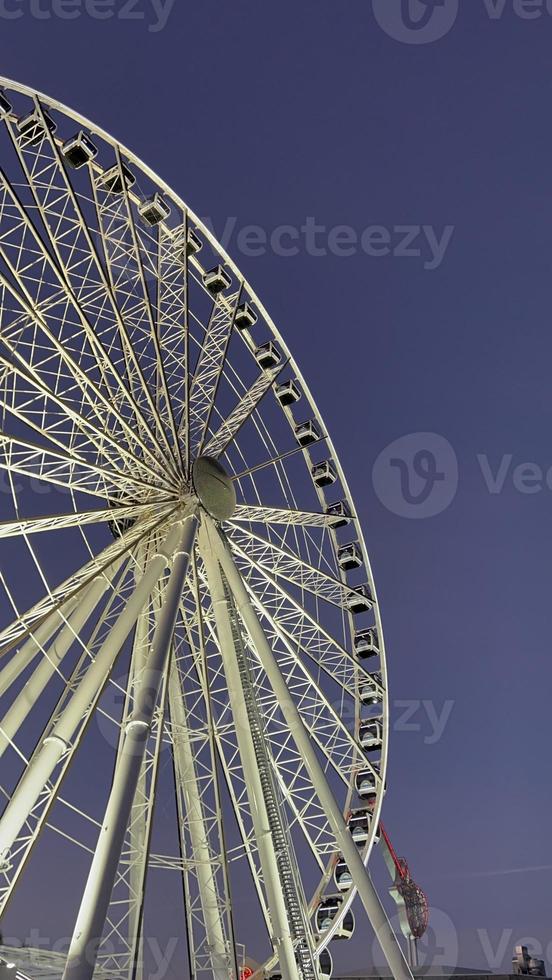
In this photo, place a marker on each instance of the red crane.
(411, 900)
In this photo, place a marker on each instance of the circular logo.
(417, 475)
(437, 950)
(416, 21)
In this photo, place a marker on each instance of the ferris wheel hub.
(214, 488)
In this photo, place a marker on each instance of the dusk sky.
(427, 316)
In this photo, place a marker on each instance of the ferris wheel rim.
(53, 104)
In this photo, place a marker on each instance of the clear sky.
(312, 114)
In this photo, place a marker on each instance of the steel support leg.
(281, 937)
(201, 852)
(368, 895)
(32, 646)
(81, 959)
(29, 695)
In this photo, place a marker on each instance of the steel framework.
(182, 572)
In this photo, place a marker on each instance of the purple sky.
(271, 113)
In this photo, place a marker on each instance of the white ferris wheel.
(183, 579)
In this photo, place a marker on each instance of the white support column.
(56, 743)
(28, 696)
(138, 826)
(281, 937)
(81, 959)
(31, 648)
(201, 857)
(369, 897)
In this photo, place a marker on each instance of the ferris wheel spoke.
(134, 313)
(57, 522)
(32, 619)
(279, 515)
(250, 401)
(66, 470)
(16, 218)
(210, 365)
(37, 408)
(286, 564)
(327, 653)
(273, 461)
(43, 393)
(172, 315)
(67, 228)
(142, 318)
(58, 468)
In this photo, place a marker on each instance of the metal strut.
(276, 818)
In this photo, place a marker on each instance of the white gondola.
(117, 178)
(360, 600)
(216, 280)
(31, 127)
(370, 691)
(287, 393)
(365, 644)
(306, 433)
(325, 965)
(366, 784)
(326, 913)
(324, 473)
(359, 826)
(245, 317)
(370, 735)
(339, 513)
(154, 210)
(350, 557)
(268, 355)
(79, 150)
(193, 243)
(342, 876)
(5, 106)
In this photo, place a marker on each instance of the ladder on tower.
(291, 887)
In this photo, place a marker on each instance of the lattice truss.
(142, 632)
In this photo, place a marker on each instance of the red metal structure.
(411, 900)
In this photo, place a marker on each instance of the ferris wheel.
(184, 585)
